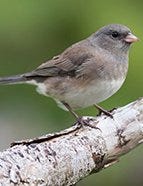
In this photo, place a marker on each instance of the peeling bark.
(68, 156)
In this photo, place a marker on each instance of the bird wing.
(66, 64)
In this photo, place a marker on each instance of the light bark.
(70, 155)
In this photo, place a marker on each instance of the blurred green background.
(31, 32)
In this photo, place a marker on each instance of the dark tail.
(13, 79)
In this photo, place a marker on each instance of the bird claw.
(84, 122)
(106, 112)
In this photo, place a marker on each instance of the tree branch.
(70, 155)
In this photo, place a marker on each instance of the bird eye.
(115, 34)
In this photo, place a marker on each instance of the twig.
(70, 155)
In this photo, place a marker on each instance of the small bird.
(86, 73)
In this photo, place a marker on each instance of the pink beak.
(130, 38)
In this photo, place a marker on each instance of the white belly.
(92, 94)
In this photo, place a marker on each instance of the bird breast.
(80, 96)
(92, 94)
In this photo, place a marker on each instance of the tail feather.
(13, 79)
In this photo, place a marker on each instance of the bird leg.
(102, 110)
(70, 110)
(80, 120)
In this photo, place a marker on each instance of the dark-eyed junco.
(87, 72)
